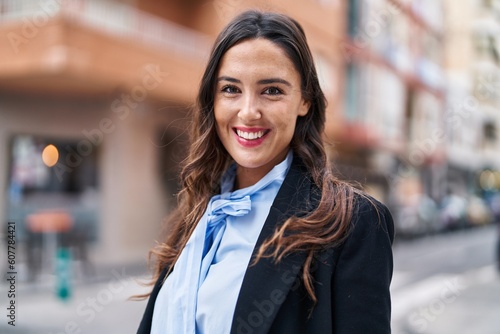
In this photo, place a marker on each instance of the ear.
(304, 107)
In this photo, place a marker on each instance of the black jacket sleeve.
(360, 287)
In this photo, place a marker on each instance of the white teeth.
(249, 135)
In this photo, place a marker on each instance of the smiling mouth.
(251, 135)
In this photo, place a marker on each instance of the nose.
(250, 109)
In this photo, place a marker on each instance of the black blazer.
(351, 281)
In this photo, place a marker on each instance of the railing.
(113, 18)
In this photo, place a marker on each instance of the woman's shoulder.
(366, 204)
(367, 246)
(370, 216)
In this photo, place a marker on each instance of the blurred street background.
(94, 102)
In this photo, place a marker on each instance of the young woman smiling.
(265, 238)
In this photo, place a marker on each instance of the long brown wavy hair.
(207, 158)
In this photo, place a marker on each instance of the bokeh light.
(50, 155)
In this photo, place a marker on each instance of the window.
(351, 100)
(486, 85)
(53, 174)
(73, 171)
(355, 92)
(325, 74)
(353, 13)
(488, 3)
(490, 132)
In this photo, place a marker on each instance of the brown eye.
(273, 91)
(230, 89)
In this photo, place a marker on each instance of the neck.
(246, 177)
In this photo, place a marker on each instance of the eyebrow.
(260, 82)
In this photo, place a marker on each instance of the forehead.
(257, 57)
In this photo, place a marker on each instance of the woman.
(265, 238)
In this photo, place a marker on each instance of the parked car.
(498, 246)
(453, 212)
(418, 217)
(494, 205)
(478, 212)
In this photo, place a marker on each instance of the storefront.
(114, 182)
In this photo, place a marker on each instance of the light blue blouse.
(218, 294)
(219, 288)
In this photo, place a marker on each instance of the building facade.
(472, 65)
(110, 84)
(393, 140)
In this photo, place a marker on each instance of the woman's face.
(257, 101)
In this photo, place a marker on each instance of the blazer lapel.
(266, 284)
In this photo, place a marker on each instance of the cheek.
(217, 115)
(221, 113)
(291, 129)
(220, 123)
(287, 128)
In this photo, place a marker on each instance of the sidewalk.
(94, 308)
(473, 310)
(477, 311)
(102, 307)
